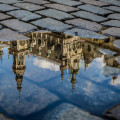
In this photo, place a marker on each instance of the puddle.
(49, 69)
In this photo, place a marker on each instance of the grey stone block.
(24, 15)
(51, 24)
(18, 25)
(94, 2)
(9, 35)
(113, 2)
(81, 23)
(85, 33)
(95, 9)
(114, 16)
(114, 23)
(67, 111)
(67, 2)
(113, 8)
(55, 14)
(89, 16)
(4, 16)
(113, 31)
(9, 1)
(5, 7)
(116, 43)
(39, 2)
(29, 6)
(64, 8)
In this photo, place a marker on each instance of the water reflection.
(67, 51)
(61, 52)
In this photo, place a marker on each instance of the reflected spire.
(1, 58)
(19, 80)
(19, 97)
(73, 81)
(114, 78)
(8, 55)
(62, 68)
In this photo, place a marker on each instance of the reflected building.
(65, 50)
(19, 50)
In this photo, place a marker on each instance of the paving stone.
(39, 2)
(111, 71)
(81, 23)
(118, 58)
(112, 31)
(114, 23)
(113, 2)
(2, 117)
(24, 15)
(4, 16)
(106, 51)
(94, 9)
(4, 7)
(29, 6)
(67, 2)
(114, 16)
(51, 24)
(116, 43)
(114, 112)
(78, 114)
(85, 33)
(9, 35)
(94, 2)
(55, 14)
(0, 26)
(9, 1)
(61, 7)
(18, 25)
(113, 8)
(89, 16)
(67, 111)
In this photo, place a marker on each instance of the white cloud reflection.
(41, 63)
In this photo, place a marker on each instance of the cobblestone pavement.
(69, 16)
(85, 18)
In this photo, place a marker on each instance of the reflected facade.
(65, 50)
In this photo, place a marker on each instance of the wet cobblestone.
(29, 6)
(114, 16)
(39, 2)
(51, 24)
(5, 7)
(61, 16)
(24, 15)
(113, 8)
(113, 23)
(85, 24)
(85, 33)
(55, 14)
(112, 31)
(64, 8)
(95, 9)
(4, 16)
(89, 16)
(18, 25)
(96, 19)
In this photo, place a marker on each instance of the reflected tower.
(19, 51)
